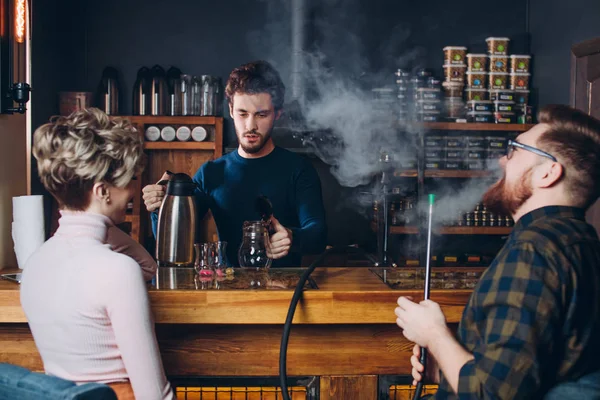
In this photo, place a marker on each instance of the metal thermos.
(141, 92)
(158, 91)
(108, 92)
(174, 87)
(176, 227)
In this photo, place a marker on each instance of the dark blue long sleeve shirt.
(230, 185)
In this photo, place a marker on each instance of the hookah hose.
(419, 388)
(292, 310)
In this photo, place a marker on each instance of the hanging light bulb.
(16, 56)
(20, 21)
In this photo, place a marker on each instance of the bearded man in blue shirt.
(230, 185)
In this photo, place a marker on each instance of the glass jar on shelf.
(186, 94)
(196, 96)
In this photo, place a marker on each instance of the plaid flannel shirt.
(533, 319)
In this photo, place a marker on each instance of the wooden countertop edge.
(262, 307)
(369, 301)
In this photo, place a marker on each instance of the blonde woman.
(87, 304)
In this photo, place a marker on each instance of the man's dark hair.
(573, 137)
(253, 78)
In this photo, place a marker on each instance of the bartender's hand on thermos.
(153, 195)
(280, 242)
(433, 370)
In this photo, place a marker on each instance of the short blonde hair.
(75, 152)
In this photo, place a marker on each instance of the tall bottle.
(158, 91)
(141, 92)
(208, 95)
(174, 91)
(108, 92)
(186, 95)
(196, 96)
(218, 86)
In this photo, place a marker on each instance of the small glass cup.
(220, 263)
(204, 259)
(203, 282)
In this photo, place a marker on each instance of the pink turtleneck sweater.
(87, 307)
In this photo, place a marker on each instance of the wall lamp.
(15, 28)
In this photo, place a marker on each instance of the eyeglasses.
(514, 144)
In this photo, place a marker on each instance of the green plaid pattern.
(533, 319)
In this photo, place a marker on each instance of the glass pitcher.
(252, 253)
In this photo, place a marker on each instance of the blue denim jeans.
(587, 387)
(20, 383)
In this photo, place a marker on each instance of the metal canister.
(469, 219)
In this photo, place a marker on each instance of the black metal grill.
(239, 393)
(243, 388)
(399, 387)
(406, 392)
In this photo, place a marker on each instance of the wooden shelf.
(164, 159)
(472, 126)
(450, 230)
(179, 145)
(404, 230)
(448, 173)
(474, 230)
(171, 119)
(407, 173)
(444, 173)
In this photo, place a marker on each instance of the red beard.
(500, 199)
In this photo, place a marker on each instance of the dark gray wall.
(77, 39)
(210, 37)
(555, 26)
(55, 37)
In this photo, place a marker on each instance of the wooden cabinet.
(585, 94)
(175, 156)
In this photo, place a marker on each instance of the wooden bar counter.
(344, 331)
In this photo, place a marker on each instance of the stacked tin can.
(483, 152)
(445, 152)
(480, 216)
(479, 108)
(503, 103)
(419, 96)
(427, 96)
(402, 78)
(454, 73)
(520, 76)
(457, 152)
(493, 93)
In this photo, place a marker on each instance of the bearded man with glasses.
(531, 328)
